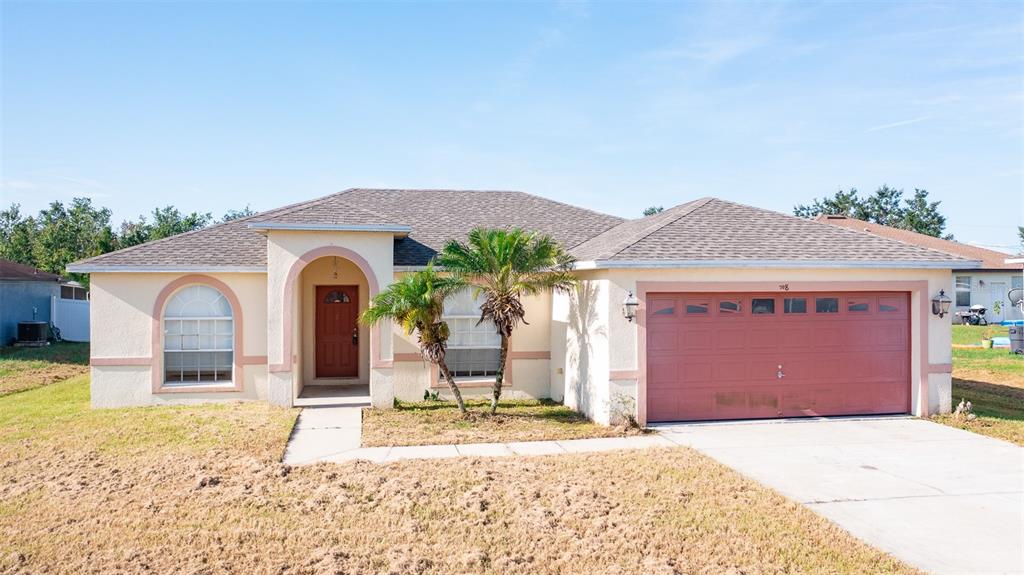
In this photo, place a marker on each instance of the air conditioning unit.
(32, 333)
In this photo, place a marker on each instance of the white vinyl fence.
(71, 317)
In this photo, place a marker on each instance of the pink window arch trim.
(157, 357)
(289, 291)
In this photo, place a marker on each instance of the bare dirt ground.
(429, 423)
(200, 490)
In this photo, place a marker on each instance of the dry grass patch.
(431, 422)
(23, 368)
(212, 498)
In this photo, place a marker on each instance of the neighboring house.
(28, 294)
(743, 312)
(986, 286)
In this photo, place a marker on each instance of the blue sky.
(610, 106)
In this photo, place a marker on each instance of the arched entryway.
(330, 351)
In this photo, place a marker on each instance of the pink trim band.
(624, 374)
(120, 361)
(940, 368)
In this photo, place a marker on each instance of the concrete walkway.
(939, 498)
(333, 434)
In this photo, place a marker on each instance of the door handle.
(780, 374)
(355, 336)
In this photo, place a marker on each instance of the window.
(730, 307)
(888, 304)
(826, 305)
(963, 291)
(663, 307)
(794, 305)
(72, 292)
(762, 306)
(473, 348)
(857, 305)
(697, 306)
(1016, 282)
(199, 337)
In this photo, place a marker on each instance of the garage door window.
(697, 306)
(759, 306)
(794, 305)
(856, 305)
(826, 305)
(663, 307)
(730, 307)
(888, 304)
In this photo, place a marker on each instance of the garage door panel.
(847, 355)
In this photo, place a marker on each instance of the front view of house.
(743, 312)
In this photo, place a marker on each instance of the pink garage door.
(741, 356)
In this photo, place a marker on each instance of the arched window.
(199, 337)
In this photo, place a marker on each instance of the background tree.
(166, 221)
(17, 234)
(1020, 236)
(504, 266)
(64, 235)
(416, 302)
(886, 206)
(235, 214)
(653, 210)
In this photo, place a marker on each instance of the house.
(986, 286)
(27, 294)
(743, 312)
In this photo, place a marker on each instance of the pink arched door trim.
(289, 292)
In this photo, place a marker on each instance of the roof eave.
(789, 264)
(387, 228)
(114, 268)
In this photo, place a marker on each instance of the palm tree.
(504, 266)
(415, 302)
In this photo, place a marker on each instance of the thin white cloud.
(898, 124)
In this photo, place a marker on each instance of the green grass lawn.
(973, 334)
(23, 368)
(992, 380)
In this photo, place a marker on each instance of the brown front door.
(738, 356)
(337, 331)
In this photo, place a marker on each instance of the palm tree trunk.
(451, 385)
(499, 377)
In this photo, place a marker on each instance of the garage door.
(741, 356)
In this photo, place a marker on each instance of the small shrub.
(623, 410)
(431, 395)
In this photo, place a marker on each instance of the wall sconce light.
(629, 306)
(940, 304)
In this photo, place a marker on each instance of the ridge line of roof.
(874, 235)
(901, 230)
(815, 221)
(688, 208)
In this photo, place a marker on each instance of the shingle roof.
(705, 230)
(990, 259)
(13, 271)
(714, 230)
(434, 216)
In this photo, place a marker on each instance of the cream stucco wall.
(601, 352)
(121, 333)
(530, 371)
(285, 249)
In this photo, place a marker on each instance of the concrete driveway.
(941, 499)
